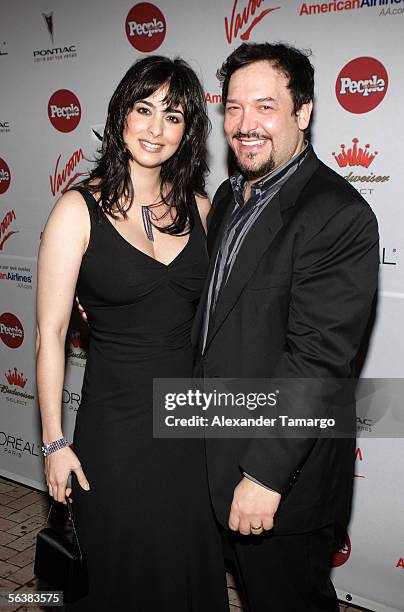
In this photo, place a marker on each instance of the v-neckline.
(132, 246)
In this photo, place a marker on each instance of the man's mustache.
(251, 136)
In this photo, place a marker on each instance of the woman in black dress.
(131, 241)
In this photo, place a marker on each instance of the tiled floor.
(22, 515)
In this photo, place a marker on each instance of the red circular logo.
(5, 176)
(343, 553)
(11, 330)
(64, 110)
(361, 85)
(145, 27)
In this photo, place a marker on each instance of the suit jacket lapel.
(258, 240)
(216, 223)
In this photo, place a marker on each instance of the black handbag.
(61, 562)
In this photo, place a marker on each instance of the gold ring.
(256, 528)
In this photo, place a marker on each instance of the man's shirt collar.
(261, 187)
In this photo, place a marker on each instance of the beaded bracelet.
(47, 449)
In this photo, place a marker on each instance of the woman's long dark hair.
(185, 171)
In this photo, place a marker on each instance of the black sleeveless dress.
(147, 524)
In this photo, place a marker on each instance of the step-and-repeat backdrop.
(60, 63)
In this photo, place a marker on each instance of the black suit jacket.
(296, 305)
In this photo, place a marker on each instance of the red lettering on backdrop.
(400, 563)
(239, 20)
(60, 178)
(4, 235)
(359, 457)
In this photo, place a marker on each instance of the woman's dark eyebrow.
(170, 109)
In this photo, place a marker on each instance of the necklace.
(147, 215)
(147, 224)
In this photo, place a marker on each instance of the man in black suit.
(293, 273)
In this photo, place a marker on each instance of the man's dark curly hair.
(294, 64)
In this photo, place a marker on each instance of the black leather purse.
(60, 561)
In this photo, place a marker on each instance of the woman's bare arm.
(63, 244)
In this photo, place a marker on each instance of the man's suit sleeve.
(333, 287)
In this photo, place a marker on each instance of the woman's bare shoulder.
(68, 218)
(71, 203)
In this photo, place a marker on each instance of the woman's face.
(153, 131)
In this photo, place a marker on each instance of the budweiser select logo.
(77, 341)
(361, 85)
(356, 155)
(64, 110)
(5, 176)
(76, 353)
(11, 330)
(14, 387)
(145, 27)
(355, 159)
(16, 378)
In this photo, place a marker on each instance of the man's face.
(260, 125)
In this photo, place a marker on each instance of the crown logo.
(76, 340)
(355, 155)
(16, 378)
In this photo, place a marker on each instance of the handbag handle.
(71, 519)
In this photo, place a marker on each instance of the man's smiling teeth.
(252, 143)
